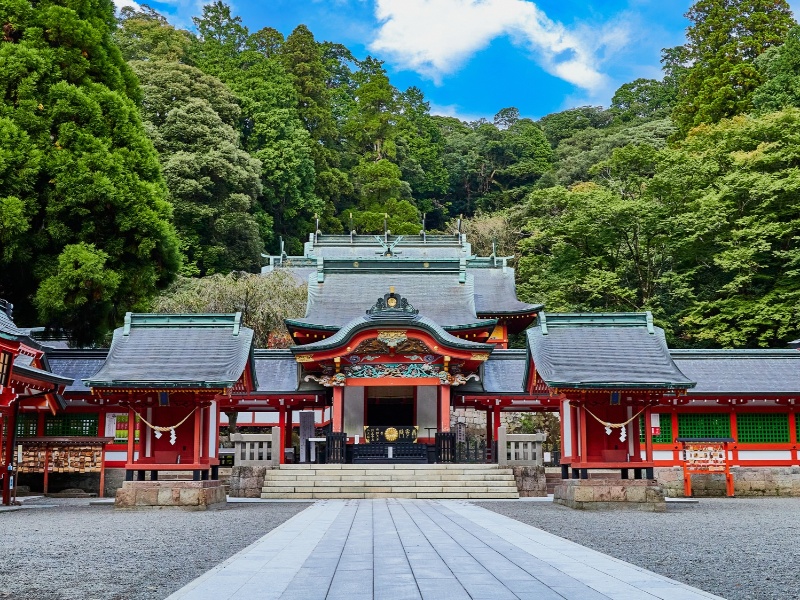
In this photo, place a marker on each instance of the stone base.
(610, 494)
(247, 482)
(188, 495)
(747, 481)
(531, 481)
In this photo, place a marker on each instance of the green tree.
(89, 192)
(561, 125)
(213, 183)
(270, 126)
(144, 34)
(723, 41)
(643, 99)
(780, 67)
(741, 230)
(264, 301)
(303, 60)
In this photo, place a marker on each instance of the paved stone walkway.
(418, 549)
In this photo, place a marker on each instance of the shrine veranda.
(399, 332)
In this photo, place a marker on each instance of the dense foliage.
(85, 225)
(207, 148)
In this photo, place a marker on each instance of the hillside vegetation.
(133, 153)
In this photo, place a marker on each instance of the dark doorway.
(383, 412)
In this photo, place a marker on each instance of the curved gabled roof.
(496, 292)
(391, 319)
(603, 351)
(176, 351)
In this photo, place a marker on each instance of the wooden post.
(496, 419)
(102, 471)
(490, 434)
(582, 424)
(131, 434)
(648, 435)
(197, 437)
(793, 433)
(444, 408)
(676, 452)
(735, 435)
(46, 462)
(282, 427)
(11, 427)
(338, 409)
(290, 432)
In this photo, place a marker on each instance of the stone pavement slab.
(420, 550)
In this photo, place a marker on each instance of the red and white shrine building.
(399, 331)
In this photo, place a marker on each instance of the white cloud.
(454, 110)
(435, 37)
(119, 4)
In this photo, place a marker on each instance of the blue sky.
(473, 57)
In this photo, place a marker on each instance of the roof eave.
(618, 385)
(152, 385)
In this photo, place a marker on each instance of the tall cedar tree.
(723, 41)
(303, 59)
(86, 231)
(270, 125)
(213, 183)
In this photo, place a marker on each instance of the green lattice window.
(665, 437)
(705, 425)
(797, 426)
(26, 425)
(759, 428)
(71, 425)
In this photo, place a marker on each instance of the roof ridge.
(733, 353)
(137, 320)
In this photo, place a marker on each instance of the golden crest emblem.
(391, 434)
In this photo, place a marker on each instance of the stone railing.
(519, 449)
(255, 449)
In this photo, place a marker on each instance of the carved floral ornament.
(392, 338)
(398, 370)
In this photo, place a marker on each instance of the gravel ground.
(738, 548)
(66, 549)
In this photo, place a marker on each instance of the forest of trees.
(137, 157)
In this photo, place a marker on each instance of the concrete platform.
(423, 549)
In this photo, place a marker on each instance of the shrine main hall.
(400, 333)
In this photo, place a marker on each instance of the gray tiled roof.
(276, 371)
(8, 327)
(26, 369)
(741, 371)
(78, 365)
(344, 296)
(407, 322)
(504, 372)
(407, 246)
(176, 351)
(603, 350)
(496, 291)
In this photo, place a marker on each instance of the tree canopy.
(132, 149)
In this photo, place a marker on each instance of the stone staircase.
(473, 482)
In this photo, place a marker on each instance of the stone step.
(389, 481)
(368, 478)
(417, 495)
(386, 482)
(280, 476)
(385, 489)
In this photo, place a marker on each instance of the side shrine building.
(399, 332)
